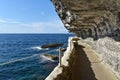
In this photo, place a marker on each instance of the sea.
(21, 55)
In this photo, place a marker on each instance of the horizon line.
(36, 33)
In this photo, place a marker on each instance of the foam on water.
(21, 59)
(16, 60)
(39, 48)
(44, 58)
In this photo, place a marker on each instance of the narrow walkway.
(80, 65)
(101, 71)
(84, 64)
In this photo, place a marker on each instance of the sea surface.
(21, 55)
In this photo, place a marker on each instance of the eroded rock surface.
(90, 18)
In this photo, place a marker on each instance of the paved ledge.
(101, 71)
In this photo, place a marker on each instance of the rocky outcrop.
(50, 56)
(90, 18)
(52, 45)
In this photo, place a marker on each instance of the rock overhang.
(90, 18)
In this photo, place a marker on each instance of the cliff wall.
(90, 18)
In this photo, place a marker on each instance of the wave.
(39, 48)
(44, 58)
(17, 60)
(21, 59)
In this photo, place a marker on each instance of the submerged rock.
(51, 57)
(52, 45)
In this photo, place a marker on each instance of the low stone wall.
(109, 51)
(64, 62)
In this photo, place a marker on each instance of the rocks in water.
(51, 57)
(52, 45)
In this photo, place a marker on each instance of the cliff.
(97, 23)
(90, 18)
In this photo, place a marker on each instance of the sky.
(29, 16)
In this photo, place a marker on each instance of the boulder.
(51, 57)
(52, 45)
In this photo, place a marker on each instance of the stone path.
(101, 71)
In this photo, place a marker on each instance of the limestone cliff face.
(90, 18)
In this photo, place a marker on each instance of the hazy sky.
(29, 16)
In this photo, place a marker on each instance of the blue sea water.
(21, 55)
